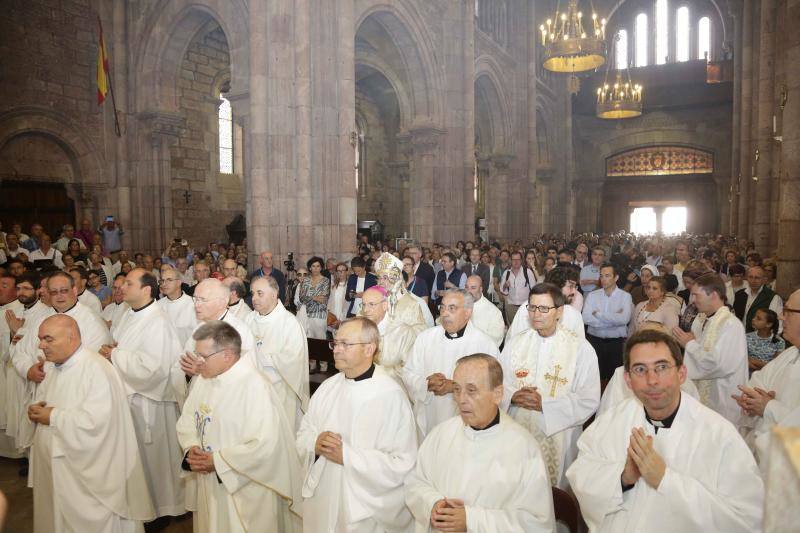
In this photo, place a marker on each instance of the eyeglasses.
(449, 308)
(199, 300)
(65, 291)
(302, 274)
(544, 309)
(167, 280)
(641, 371)
(207, 357)
(341, 344)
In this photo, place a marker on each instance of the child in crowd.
(763, 344)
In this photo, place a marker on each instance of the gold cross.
(555, 380)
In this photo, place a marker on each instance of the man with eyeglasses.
(145, 349)
(178, 306)
(773, 393)
(281, 348)
(428, 373)
(552, 380)
(662, 462)
(237, 446)
(357, 442)
(64, 299)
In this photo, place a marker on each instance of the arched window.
(682, 34)
(662, 31)
(621, 42)
(225, 116)
(641, 40)
(704, 38)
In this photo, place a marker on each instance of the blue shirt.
(590, 272)
(607, 316)
(764, 348)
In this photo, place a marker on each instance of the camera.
(289, 263)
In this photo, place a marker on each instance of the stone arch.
(489, 89)
(166, 38)
(418, 72)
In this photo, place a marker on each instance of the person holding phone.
(111, 232)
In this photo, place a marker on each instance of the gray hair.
(469, 301)
(224, 335)
(271, 282)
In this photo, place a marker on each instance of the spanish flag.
(102, 68)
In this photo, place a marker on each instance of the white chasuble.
(281, 352)
(238, 418)
(365, 494)
(717, 361)
(91, 301)
(240, 310)
(617, 390)
(489, 319)
(711, 482)
(436, 352)
(397, 340)
(20, 392)
(563, 368)
(147, 347)
(497, 472)
(181, 313)
(571, 319)
(85, 467)
(9, 405)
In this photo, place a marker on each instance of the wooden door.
(30, 202)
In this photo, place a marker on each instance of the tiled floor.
(20, 502)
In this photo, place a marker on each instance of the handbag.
(332, 320)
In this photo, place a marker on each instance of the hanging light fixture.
(568, 47)
(623, 98)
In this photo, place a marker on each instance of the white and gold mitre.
(389, 265)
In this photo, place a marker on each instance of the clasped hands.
(753, 400)
(329, 446)
(190, 364)
(39, 413)
(200, 461)
(449, 515)
(439, 385)
(682, 337)
(527, 398)
(106, 349)
(13, 322)
(643, 461)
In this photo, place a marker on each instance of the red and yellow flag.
(102, 69)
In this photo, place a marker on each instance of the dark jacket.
(762, 301)
(275, 273)
(352, 283)
(483, 272)
(426, 272)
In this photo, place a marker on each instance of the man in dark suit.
(359, 281)
(475, 268)
(421, 269)
(755, 296)
(267, 270)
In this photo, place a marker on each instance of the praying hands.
(200, 461)
(13, 322)
(190, 364)
(449, 515)
(753, 401)
(647, 461)
(106, 349)
(329, 445)
(39, 413)
(527, 398)
(439, 385)
(682, 337)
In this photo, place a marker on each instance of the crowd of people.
(641, 373)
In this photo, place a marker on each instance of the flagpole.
(110, 87)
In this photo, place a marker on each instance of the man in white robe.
(480, 471)
(178, 306)
(85, 471)
(145, 349)
(113, 312)
(485, 315)
(664, 463)
(81, 277)
(64, 299)
(397, 335)
(716, 348)
(236, 305)
(357, 442)
(237, 443)
(552, 379)
(281, 348)
(571, 319)
(773, 392)
(11, 310)
(428, 372)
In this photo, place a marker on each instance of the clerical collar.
(136, 310)
(70, 309)
(367, 374)
(457, 335)
(81, 294)
(175, 299)
(491, 424)
(223, 315)
(664, 423)
(31, 305)
(234, 305)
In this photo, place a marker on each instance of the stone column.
(789, 205)
(731, 222)
(532, 220)
(764, 170)
(659, 217)
(425, 166)
(498, 196)
(742, 189)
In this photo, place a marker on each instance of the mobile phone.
(110, 218)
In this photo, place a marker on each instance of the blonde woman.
(657, 308)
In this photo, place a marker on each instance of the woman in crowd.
(657, 307)
(337, 305)
(532, 262)
(638, 293)
(74, 250)
(414, 284)
(313, 294)
(735, 283)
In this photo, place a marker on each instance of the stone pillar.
(425, 167)
(731, 222)
(533, 220)
(497, 198)
(659, 218)
(763, 192)
(789, 205)
(742, 189)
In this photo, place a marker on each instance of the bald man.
(85, 470)
(485, 315)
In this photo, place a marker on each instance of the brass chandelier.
(568, 47)
(623, 99)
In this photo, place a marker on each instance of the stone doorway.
(27, 202)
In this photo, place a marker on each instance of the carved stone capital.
(162, 126)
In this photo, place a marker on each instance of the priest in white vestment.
(85, 469)
(716, 348)
(480, 471)
(64, 299)
(397, 335)
(146, 348)
(87, 298)
(357, 442)
(485, 315)
(177, 304)
(664, 462)
(210, 303)
(281, 348)
(552, 379)
(773, 392)
(19, 391)
(113, 312)
(404, 305)
(11, 310)
(428, 372)
(237, 443)
(236, 304)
